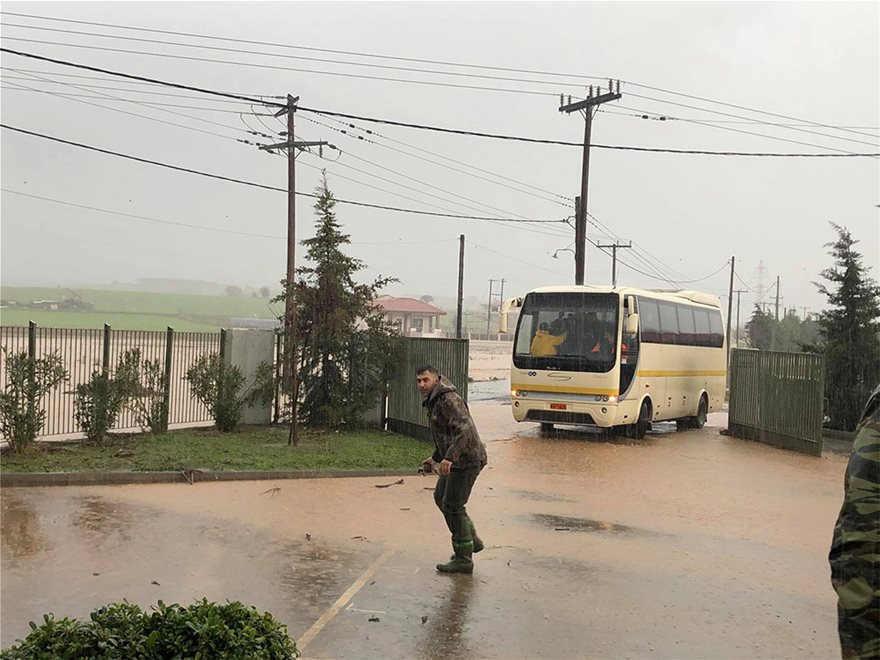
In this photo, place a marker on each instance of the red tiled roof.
(407, 306)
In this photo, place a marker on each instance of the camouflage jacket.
(855, 548)
(455, 434)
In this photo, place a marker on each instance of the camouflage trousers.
(451, 495)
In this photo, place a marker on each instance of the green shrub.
(123, 630)
(147, 400)
(98, 402)
(217, 385)
(28, 380)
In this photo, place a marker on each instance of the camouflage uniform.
(455, 439)
(855, 548)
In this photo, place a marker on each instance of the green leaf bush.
(123, 630)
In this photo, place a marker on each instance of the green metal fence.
(405, 412)
(777, 398)
(83, 351)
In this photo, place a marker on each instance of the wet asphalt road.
(685, 545)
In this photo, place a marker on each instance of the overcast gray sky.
(687, 214)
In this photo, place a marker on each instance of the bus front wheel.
(640, 428)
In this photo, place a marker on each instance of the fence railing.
(84, 351)
(777, 398)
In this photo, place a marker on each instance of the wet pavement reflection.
(682, 545)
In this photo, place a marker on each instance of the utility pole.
(587, 105)
(805, 312)
(460, 285)
(290, 321)
(489, 307)
(614, 247)
(730, 311)
(777, 297)
(738, 292)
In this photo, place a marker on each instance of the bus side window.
(649, 320)
(716, 338)
(686, 325)
(668, 323)
(701, 318)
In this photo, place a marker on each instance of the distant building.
(411, 317)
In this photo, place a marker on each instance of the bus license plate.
(558, 406)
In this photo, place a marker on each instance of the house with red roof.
(411, 317)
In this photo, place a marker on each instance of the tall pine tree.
(850, 331)
(345, 344)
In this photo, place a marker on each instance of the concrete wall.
(246, 349)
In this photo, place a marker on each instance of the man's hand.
(445, 467)
(428, 465)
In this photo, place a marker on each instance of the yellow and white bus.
(616, 357)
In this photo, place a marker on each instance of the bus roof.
(673, 295)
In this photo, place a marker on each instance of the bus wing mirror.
(507, 307)
(631, 324)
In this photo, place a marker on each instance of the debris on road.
(273, 491)
(374, 619)
(395, 483)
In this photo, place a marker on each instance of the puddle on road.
(21, 531)
(567, 524)
(102, 520)
(540, 497)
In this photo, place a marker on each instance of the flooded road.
(684, 545)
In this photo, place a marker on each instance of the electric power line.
(262, 185)
(581, 78)
(448, 130)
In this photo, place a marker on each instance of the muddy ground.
(684, 545)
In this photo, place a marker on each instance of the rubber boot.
(462, 561)
(478, 543)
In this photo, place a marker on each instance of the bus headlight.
(612, 399)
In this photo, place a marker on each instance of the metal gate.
(777, 398)
(405, 412)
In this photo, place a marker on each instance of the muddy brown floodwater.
(684, 545)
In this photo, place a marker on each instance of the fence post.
(278, 348)
(32, 340)
(105, 361)
(222, 344)
(169, 353)
(32, 366)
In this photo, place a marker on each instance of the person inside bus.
(546, 341)
(605, 347)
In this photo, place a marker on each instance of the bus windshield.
(568, 332)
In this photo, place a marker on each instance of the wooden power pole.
(290, 321)
(614, 248)
(580, 227)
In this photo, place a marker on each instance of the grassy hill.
(133, 310)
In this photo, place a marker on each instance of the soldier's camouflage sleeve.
(855, 548)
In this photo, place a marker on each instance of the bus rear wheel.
(699, 421)
(638, 430)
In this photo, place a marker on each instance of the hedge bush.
(123, 630)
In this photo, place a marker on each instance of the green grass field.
(134, 310)
(258, 448)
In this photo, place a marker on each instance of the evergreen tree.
(850, 333)
(760, 329)
(345, 345)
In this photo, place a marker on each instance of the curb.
(38, 479)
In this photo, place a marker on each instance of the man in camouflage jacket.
(459, 456)
(855, 548)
